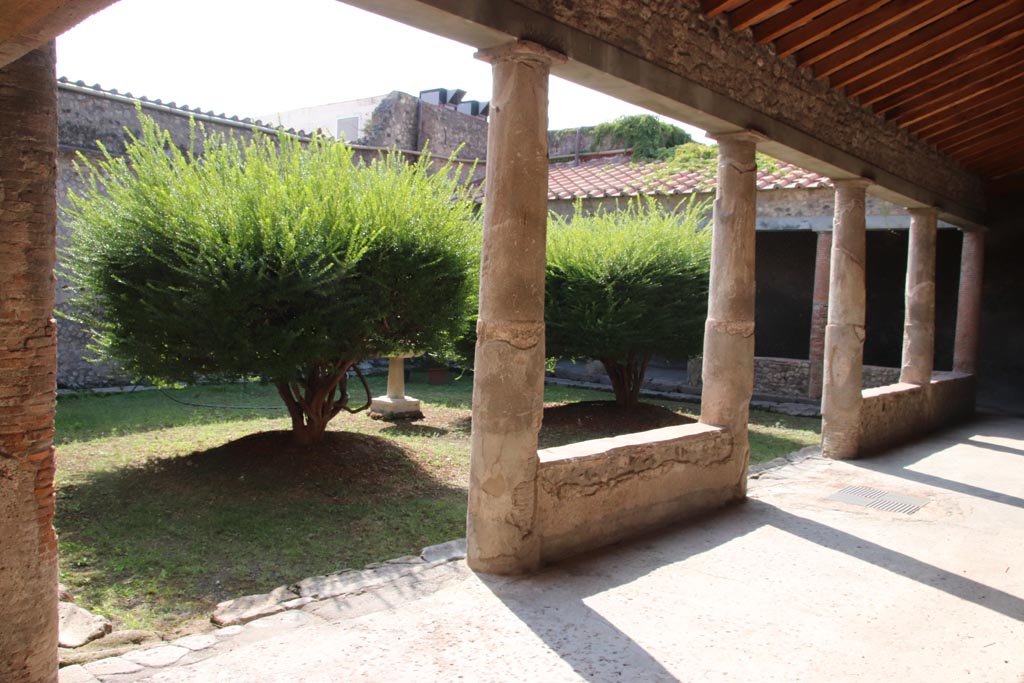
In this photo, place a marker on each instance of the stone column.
(819, 313)
(508, 380)
(28, 365)
(919, 310)
(396, 405)
(728, 370)
(968, 305)
(844, 333)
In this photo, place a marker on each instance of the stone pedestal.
(968, 311)
(396, 405)
(508, 380)
(919, 311)
(844, 334)
(819, 314)
(28, 366)
(728, 369)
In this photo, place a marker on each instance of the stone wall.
(409, 123)
(897, 413)
(594, 493)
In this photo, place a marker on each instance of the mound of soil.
(599, 419)
(272, 460)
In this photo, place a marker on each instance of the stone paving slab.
(789, 586)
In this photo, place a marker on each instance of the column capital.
(521, 51)
(748, 135)
(853, 183)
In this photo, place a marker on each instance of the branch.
(366, 387)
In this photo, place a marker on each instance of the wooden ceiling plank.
(932, 42)
(754, 11)
(1013, 168)
(914, 112)
(888, 35)
(797, 15)
(713, 8)
(971, 115)
(969, 118)
(825, 25)
(955, 136)
(892, 12)
(1007, 130)
(936, 75)
(993, 148)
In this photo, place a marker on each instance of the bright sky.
(256, 57)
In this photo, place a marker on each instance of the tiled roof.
(622, 178)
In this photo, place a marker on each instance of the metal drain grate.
(880, 500)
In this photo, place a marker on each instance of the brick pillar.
(819, 313)
(728, 371)
(28, 365)
(968, 305)
(508, 380)
(844, 333)
(919, 311)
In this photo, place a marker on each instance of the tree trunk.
(627, 377)
(313, 403)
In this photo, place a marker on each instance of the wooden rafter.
(968, 117)
(754, 11)
(995, 132)
(894, 32)
(825, 25)
(993, 147)
(952, 138)
(713, 8)
(946, 71)
(952, 119)
(912, 112)
(935, 40)
(797, 15)
(849, 34)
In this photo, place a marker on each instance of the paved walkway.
(789, 586)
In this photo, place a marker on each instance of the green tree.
(649, 137)
(627, 284)
(271, 257)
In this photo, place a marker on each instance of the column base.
(387, 408)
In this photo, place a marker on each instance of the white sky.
(255, 57)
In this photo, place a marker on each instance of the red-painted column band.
(968, 312)
(28, 364)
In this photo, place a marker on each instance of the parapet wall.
(593, 493)
(897, 413)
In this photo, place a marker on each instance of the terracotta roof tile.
(620, 177)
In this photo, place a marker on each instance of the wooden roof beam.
(754, 11)
(930, 43)
(983, 105)
(825, 25)
(991, 149)
(797, 15)
(994, 133)
(953, 137)
(937, 74)
(713, 8)
(967, 118)
(905, 115)
(922, 15)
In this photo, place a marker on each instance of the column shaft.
(28, 363)
(819, 314)
(919, 310)
(968, 311)
(508, 381)
(728, 370)
(396, 377)
(844, 333)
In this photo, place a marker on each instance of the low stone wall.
(897, 413)
(784, 376)
(597, 492)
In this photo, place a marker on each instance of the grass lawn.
(165, 509)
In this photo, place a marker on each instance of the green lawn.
(165, 509)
